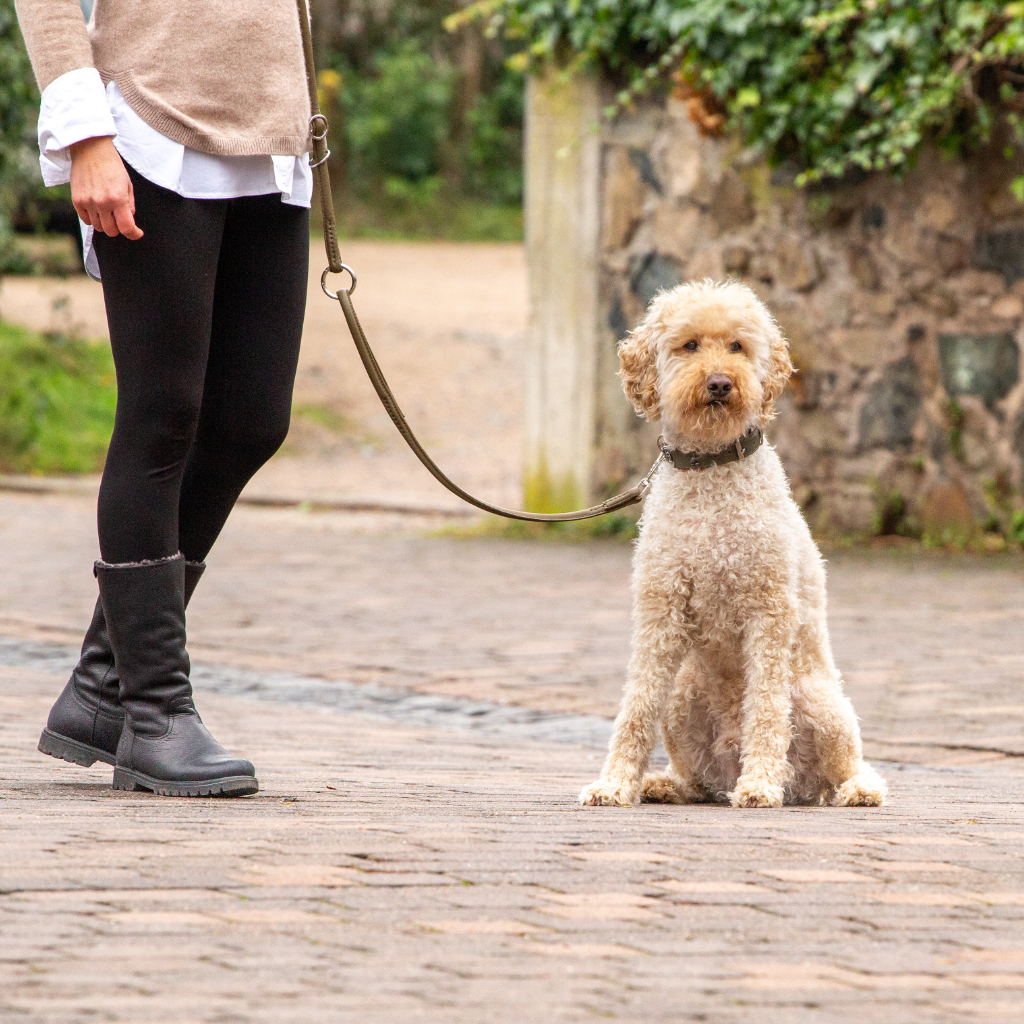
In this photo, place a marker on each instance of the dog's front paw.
(608, 793)
(754, 792)
(866, 789)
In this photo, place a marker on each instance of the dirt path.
(448, 323)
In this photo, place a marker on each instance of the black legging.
(205, 314)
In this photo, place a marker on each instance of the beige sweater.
(220, 76)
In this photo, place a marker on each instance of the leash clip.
(645, 485)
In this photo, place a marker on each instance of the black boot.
(164, 746)
(84, 725)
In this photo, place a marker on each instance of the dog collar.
(740, 449)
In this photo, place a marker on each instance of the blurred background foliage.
(426, 123)
(19, 177)
(426, 128)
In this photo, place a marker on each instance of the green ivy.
(829, 85)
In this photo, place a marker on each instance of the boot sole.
(233, 785)
(73, 751)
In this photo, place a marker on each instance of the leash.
(335, 265)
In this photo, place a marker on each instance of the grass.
(446, 221)
(325, 416)
(57, 401)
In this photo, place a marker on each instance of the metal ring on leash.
(323, 281)
(322, 160)
(318, 117)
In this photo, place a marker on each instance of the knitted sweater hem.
(219, 145)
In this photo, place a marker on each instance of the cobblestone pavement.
(387, 873)
(422, 710)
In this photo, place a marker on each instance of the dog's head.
(708, 359)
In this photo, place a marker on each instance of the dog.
(730, 650)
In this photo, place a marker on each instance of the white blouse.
(76, 106)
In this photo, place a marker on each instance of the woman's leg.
(159, 295)
(258, 309)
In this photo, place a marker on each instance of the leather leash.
(318, 161)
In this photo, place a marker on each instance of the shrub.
(17, 95)
(494, 143)
(1017, 526)
(25, 203)
(396, 120)
(426, 123)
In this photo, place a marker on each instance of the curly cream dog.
(731, 654)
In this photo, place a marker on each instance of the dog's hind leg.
(821, 705)
(659, 644)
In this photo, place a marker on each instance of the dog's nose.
(719, 385)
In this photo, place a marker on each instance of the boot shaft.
(95, 676)
(144, 608)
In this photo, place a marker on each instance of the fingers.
(84, 213)
(125, 222)
(108, 223)
(112, 217)
(125, 216)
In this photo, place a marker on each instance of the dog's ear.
(639, 371)
(780, 369)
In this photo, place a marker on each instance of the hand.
(101, 190)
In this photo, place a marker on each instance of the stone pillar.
(562, 226)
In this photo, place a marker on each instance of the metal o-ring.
(323, 281)
(323, 135)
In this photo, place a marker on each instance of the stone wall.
(902, 301)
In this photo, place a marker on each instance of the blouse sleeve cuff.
(73, 107)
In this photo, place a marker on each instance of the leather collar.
(741, 448)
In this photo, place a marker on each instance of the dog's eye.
(735, 347)
(691, 346)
